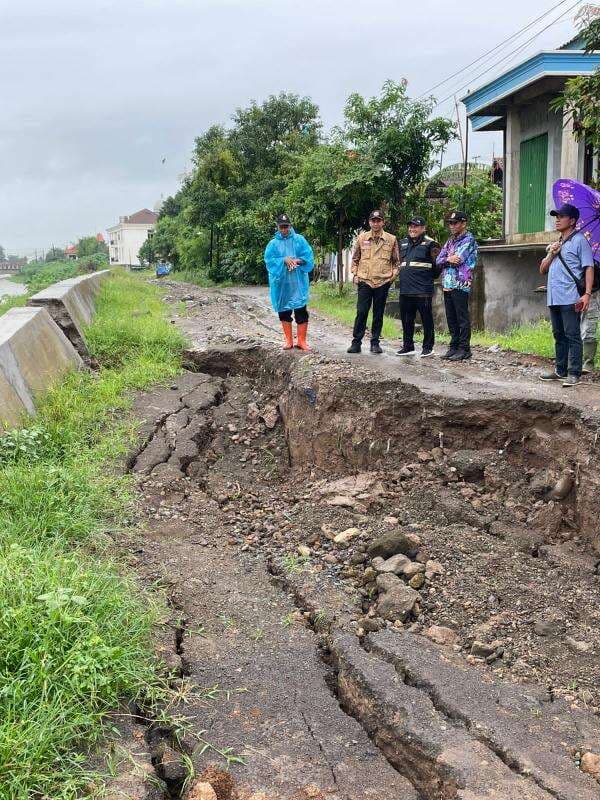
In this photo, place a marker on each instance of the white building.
(126, 238)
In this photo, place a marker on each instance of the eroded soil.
(381, 590)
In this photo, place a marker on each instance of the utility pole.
(462, 146)
(466, 152)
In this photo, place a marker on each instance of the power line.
(493, 50)
(509, 56)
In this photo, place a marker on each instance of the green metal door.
(532, 184)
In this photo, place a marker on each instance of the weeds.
(75, 635)
(294, 564)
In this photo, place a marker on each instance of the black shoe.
(425, 353)
(375, 348)
(354, 348)
(451, 352)
(406, 351)
(460, 355)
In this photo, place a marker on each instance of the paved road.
(503, 375)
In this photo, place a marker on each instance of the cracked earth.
(384, 578)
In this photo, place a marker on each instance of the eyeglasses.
(283, 227)
(455, 222)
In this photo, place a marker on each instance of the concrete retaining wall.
(34, 354)
(503, 293)
(71, 304)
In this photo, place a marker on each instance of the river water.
(8, 288)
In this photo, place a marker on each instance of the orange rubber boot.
(302, 330)
(289, 336)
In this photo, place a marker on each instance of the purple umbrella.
(587, 200)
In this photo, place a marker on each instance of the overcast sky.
(95, 95)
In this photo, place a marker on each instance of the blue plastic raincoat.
(289, 288)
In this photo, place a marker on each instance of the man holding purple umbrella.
(570, 268)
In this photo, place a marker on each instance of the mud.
(268, 478)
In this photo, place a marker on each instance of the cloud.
(97, 94)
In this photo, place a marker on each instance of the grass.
(6, 303)
(535, 338)
(75, 633)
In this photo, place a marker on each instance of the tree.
(55, 254)
(481, 200)
(163, 244)
(400, 136)
(333, 195)
(90, 245)
(2, 253)
(581, 97)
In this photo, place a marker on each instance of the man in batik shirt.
(457, 259)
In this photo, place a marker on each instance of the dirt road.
(384, 576)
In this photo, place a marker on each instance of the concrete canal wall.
(41, 343)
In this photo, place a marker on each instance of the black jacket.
(417, 265)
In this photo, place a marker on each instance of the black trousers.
(459, 321)
(301, 315)
(409, 305)
(368, 296)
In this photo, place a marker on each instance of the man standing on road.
(418, 254)
(374, 266)
(570, 267)
(458, 259)
(289, 258)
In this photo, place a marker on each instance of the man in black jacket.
(418, 253)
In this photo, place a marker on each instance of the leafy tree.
(481, 200)
(163, 244)
(55, 254)
(333, 194)
(400, 136)
(89, 246)
(171, 207)
(581, 97)
(2, 253)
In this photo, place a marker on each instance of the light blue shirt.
(561, 290)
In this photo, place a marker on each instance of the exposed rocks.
(393, 543)
(201, 791)
(470, 464)
(397, 601)
(590, 764)
(441, 635)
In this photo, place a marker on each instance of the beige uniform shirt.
(375, 260)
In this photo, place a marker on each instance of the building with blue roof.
(539, 148)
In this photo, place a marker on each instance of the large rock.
(470, 464)
(397, 603)
(392, 543)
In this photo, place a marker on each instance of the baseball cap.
(417, 221)
(566, 210)
(283, 219)
(457, 216)
(376, 215)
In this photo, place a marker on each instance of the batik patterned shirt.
(458, 276)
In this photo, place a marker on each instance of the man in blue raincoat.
(289, 258)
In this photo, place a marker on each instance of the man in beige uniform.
(375, 264)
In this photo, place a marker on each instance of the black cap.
(283, 219)
(457, 216)
(417, 221)
(566, 210)
(376, 215)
